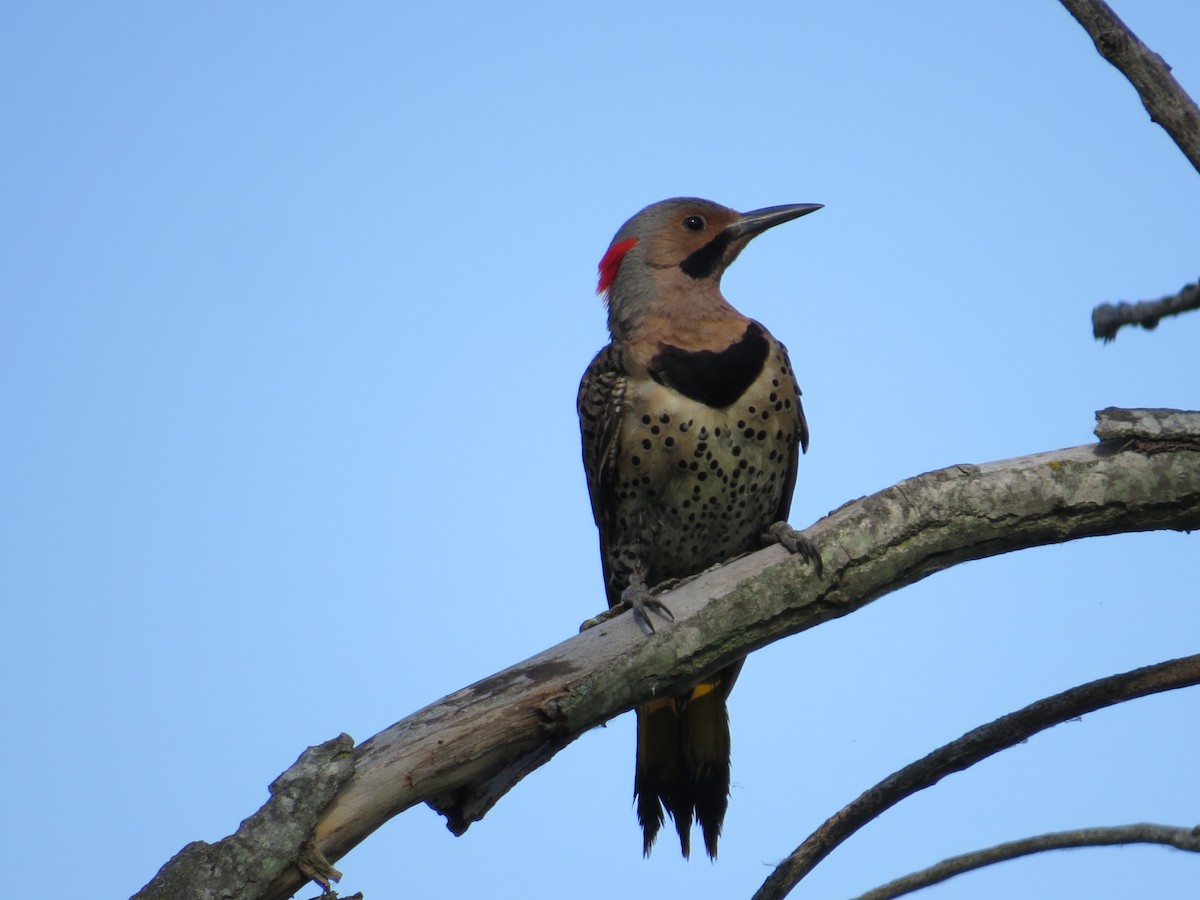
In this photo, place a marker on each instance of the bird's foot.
(636, 597)
(794, 541)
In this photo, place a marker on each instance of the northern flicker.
(692, 426)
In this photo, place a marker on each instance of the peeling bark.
(270, 842)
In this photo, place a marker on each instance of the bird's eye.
(694, 223)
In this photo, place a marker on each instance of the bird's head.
(676, 249)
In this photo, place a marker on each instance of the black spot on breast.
(715, 378)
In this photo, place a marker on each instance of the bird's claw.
(637, 598)
(794, 541)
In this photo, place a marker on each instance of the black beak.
(759, 220)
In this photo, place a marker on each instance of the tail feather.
(660, 780)
(683, 763)
(705, 741)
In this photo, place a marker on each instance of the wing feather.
(600, 399)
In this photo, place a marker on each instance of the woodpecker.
(692, 426)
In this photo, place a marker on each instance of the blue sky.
(294, 301)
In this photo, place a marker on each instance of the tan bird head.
(669, 258)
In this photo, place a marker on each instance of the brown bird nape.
(692, 427)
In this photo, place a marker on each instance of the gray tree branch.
(1108, 318)
(1171, 107)
(1141, 833)
(466, 750)
(1167, 102)
(270, 842)
(975, 745)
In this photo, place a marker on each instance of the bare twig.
(969, 749)
(1142, 833)
(1167, 102)
(1107, 318)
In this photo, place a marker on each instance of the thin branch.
(1107, 318)
(975, 745)
(1142, 833)
(1167, 102)
(465, 751)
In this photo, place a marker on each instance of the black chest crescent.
(715, 378)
